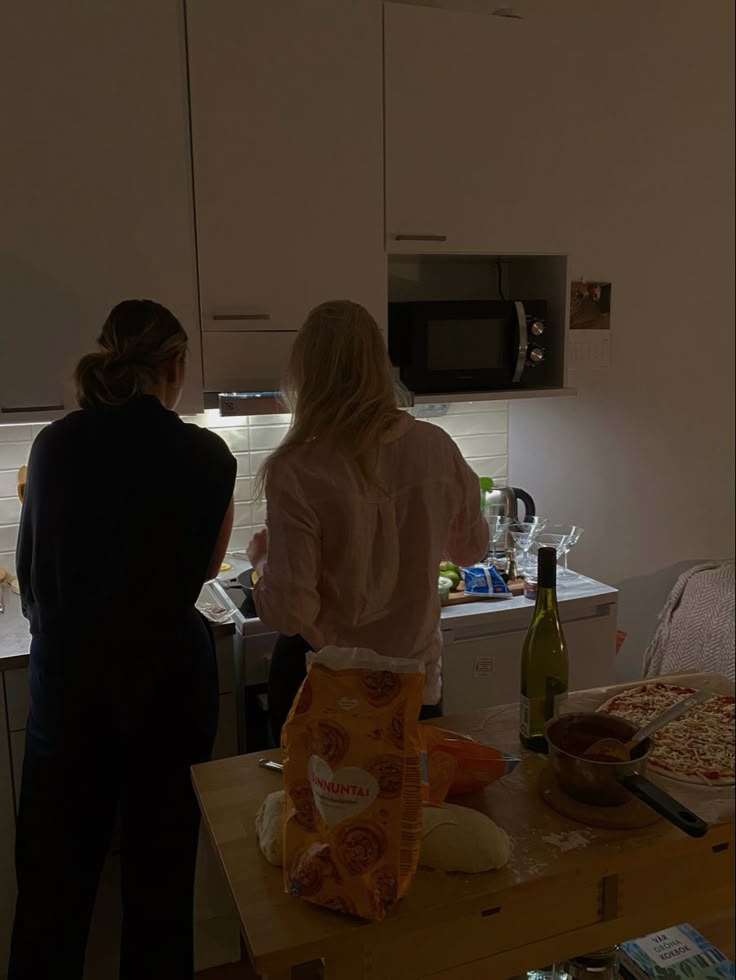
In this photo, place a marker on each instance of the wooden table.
(567, 889)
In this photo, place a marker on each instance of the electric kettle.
(501, 501)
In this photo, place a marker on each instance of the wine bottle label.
(536, 712)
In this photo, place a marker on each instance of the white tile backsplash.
(257, 460)
(474, 447)
(9, 510)
(479, 429)
(259, 512)
(473, 424)
(9, 482)
(266, 436)
(8, 535)
(494, 466)
(242, 515)
(236, 438)
(243, 461)
(7, 561)
(16, 433)
(243, 491)
(13, 454)
(240, 537)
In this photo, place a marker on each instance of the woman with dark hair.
(127, 511)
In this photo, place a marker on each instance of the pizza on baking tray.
(697, 747)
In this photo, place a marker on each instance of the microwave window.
(461, 345)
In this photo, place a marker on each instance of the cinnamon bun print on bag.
(352, 780)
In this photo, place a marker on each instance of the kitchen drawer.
(18, 698)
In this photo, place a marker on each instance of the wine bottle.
(544, 664)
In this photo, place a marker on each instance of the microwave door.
(522, 343)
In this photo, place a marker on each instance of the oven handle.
(523, 342)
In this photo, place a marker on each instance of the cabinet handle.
(241, 316)
(27, 409)
(421, 238)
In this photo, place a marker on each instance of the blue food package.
(482, 580)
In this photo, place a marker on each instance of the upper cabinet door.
(95, 184)
(473, 159)
(288, 169)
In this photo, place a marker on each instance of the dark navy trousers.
(112, 733)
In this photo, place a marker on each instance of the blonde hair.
(138, 341)
(340, 387)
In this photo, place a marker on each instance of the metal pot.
(601, 783)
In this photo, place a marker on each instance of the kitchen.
(641, 456)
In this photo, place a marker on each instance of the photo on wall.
(590, 305)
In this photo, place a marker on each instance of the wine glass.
(549, 540)
(498, 525)
(523, 533)
(571, 534)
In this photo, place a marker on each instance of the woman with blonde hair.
(127, 511)
(363, 502)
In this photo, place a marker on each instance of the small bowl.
(444, 587)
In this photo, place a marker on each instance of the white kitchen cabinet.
(475, 158)
(288, 172)
(481, 651)
(95, 186)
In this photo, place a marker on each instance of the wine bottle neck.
(546, 599)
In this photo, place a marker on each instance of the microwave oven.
(468, 345)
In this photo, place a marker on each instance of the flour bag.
(352, 775)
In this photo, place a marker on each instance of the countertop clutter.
(590, 886)
(579, 592)
(15, 638)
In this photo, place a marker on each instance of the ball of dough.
(456, 838)
(270, 828)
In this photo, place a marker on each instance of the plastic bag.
(482, 580)
(456, 764)
(352, 775)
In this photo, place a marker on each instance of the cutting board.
(458, 598)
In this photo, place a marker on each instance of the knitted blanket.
(696, 625)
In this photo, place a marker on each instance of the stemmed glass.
(523, 534)
(498, 525)
(571, 535)
(548, 540)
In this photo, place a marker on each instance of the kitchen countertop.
(579, 593)
(15, 639)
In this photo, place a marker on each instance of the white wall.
(643, 458)
(479, 429)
